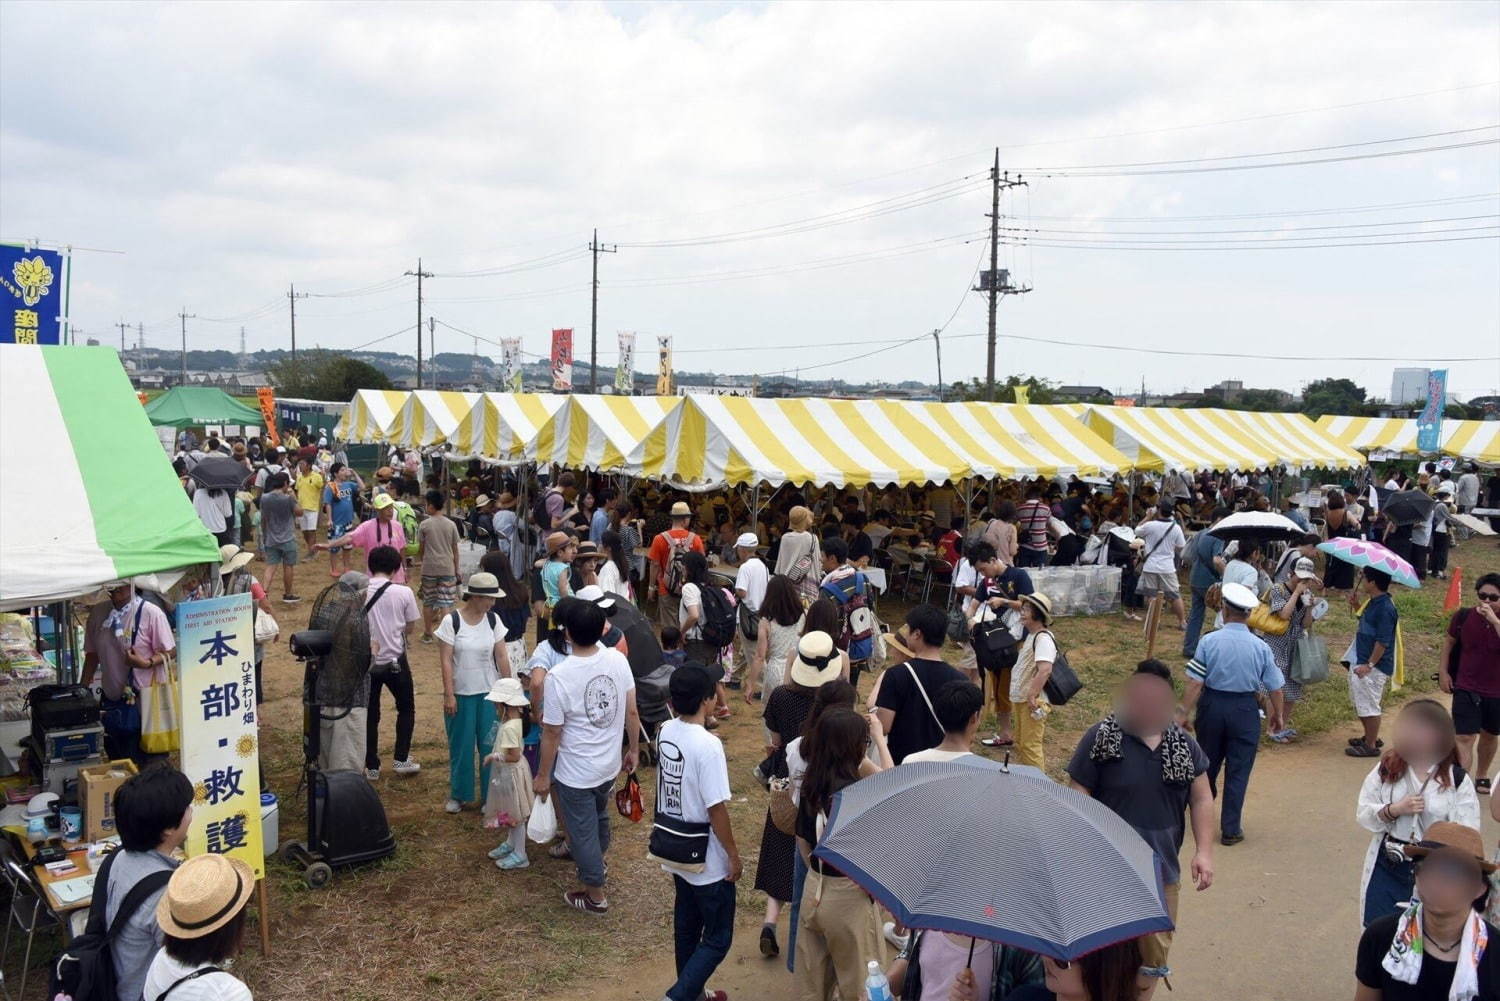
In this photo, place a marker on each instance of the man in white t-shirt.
(750, 582)
(692, 797)
(1163, 541)
(589, 706)
(957, 706)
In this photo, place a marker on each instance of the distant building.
(1080, 394)
(1408, 385)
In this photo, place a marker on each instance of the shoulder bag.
(1062, 684)
(379, 670)
(1309, 659)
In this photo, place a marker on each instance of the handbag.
(679, 844)
(782, 809)
(1309, 659)
(160, 722)
(266, 628)
(1062, 684)
(749, 622)
(628, 800)
(798, 571)
(1267, 622)
(958, 625)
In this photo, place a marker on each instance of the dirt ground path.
(1280, 922)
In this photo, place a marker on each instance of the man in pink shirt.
(391, 611)
(130, 639)
(381, 530)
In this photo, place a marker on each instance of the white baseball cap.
(748, 540)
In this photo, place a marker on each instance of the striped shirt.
(1031, 523)
(1234, 660)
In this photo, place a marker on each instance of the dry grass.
(439, 921)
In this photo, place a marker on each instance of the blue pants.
(585, 813)
(1031, 557)
(1390, 887)
(702, 930)
(1194, 629)
(471, 732)
(799, 879)
(1228, 728)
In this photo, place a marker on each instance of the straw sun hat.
(204, 895)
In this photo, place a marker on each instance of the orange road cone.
(1455, 591)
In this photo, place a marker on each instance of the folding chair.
(28, 911)
(939, 577)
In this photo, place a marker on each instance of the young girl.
(1417, 784)
(508, 804)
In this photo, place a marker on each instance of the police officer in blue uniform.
(1230, 666)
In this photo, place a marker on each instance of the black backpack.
(539, 514)
(717, 620)
(85, 970)
(492, 617)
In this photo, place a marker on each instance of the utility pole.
(420, 275)
(242, 342)
(938, 345)
(994, 281)
(597, 249)
(123, 327)
(291, 297)
(140, 335)
(185, 316)
(432, 347)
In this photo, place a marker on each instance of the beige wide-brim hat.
(204, 895)
(508, 692)
(1042, 604)
(681, 510)
(483, 585)
(232, 558)
(818, 661)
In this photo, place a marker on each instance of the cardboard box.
(97, 785)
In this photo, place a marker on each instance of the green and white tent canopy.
(198, 406)
(86, 493)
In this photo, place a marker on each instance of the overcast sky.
(229, 150)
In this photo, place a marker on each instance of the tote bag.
(1309, 659)
(160, 724)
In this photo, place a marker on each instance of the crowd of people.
(776, 609)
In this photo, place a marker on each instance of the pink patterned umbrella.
(1372, 554)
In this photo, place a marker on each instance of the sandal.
(998, 741)
(1482, 786)
(1356, 741)
(560, 851)
(1362, 750)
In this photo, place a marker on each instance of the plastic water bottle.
(877, 988)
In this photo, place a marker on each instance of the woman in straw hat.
(472, 650)
(1028, 678)
(202, 918)
(799, 555)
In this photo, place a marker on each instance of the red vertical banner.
(562, 360)
(266, 396)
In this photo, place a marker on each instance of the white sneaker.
(500, 853)
(453, 806)
(407, 767)
(898, 941)
(373, 774)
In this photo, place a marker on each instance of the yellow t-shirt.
(309, 491)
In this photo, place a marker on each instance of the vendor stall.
(200, 406)
(371, 414)
(597, 432)
(499, 426)
(429, 417)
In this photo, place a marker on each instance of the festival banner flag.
(562, 360)
(220, 731)
(267, 399)
(625, 368)
(663, 366)
(1023, 394)
(1430, 423)
(510, 364)
(32, 281)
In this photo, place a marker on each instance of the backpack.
(85, 970)
(717, 621)
(539, 514)
(853, 596)
(491, 616)
(407, 516)
(676, 573)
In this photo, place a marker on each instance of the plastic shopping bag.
(542, 827)
(159, 719)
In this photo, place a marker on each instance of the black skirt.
(773, 875)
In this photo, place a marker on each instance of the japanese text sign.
(31, 285)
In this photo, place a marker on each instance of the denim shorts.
(281, 552)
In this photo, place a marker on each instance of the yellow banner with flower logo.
(220, 727)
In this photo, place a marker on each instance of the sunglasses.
(1489, 595)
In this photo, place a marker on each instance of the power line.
(1107, 237)
(372, 289)
(1276, 245)
(532, 264)
(1230, 354)
(1285, 213)
(1274, 229)
(1266, 166)
(398, 333)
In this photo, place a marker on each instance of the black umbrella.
(218, 472)
(1261, 526)
(1405, 507)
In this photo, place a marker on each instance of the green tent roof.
(196, 406)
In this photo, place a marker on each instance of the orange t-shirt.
(661, 551)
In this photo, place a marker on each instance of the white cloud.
(232, 149)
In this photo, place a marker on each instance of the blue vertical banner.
(1430, 424)
(32, 281)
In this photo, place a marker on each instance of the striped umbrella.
(1000, 854)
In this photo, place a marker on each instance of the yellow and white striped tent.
(1161, 438)
(1388, 437)
(710, 440)
(597, 432)
(500, 425)
(1476, 440)
(429, 417)
(1010, 442)
(370, 415)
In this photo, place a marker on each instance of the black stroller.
(346, 823)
